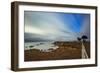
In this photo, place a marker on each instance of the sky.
(55, 26)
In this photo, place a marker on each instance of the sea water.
(42, 46)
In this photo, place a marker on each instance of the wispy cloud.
(51, 26)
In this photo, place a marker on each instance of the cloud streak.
(54, 26)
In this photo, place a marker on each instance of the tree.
(78, 38)
(84, 37)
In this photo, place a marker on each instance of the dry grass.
(66, 50)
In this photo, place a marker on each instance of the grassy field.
(66, 50)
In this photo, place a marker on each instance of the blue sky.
(56, 26)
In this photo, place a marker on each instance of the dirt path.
(84, 53)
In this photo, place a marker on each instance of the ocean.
(43, 46)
